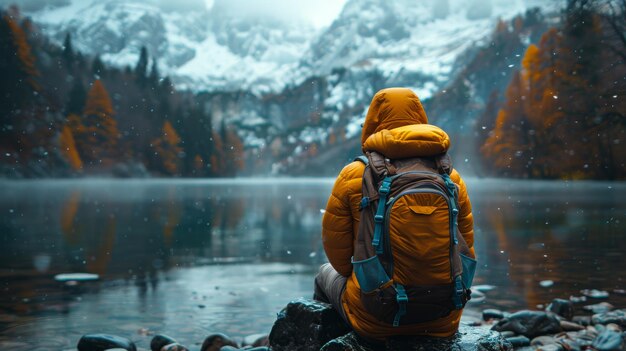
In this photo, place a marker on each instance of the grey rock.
(529, 323)
(174, 347)
(582, 320)
(564, 308)
(256, 340)
(160, 340)
(519, 341)
(349, 342)
(215, 342)
(571, 326)
(596, 294)
(599, 307)
(306, 325)
(101, 342)
(228, 348)
(609, 340)
(551, 347)
(543, 340)
(618, 317)
(492, 313)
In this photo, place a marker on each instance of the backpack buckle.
(459, 293)
(378, 218)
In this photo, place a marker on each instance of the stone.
(228, 348)
(507, 334)
(562, 307)
(174, 347)
(551, 347)
(467, 339)
(101, 342)
(618, 317)
(519, 341)
(596, 294)
(609, 340)
(306, 325)
(214, 342)
(582, 320)
(529, 323)
(570, 326)
(599, 307)
(543, 340)
(492, 313)
(160, 340)
(256, 340)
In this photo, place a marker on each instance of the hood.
(392, 108)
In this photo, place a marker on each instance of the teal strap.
(454, 211)
(402, 299)
(459, 292)
(380, 214)
(362, 159)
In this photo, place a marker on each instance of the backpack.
(385, 182)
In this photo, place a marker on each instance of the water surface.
(192, 257)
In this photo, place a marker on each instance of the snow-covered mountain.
(221, 49)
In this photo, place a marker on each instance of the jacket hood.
(415, 140)
(392, 108)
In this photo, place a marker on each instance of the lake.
(191, 257)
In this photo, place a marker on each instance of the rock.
(570, 326)
(618, 317)
(228, 348)
(546, 283)
(466, 339)
(519, 341)
(492, 313)
(551, 347)
(529, 323)
(160, 340)
(599, 307)
(214, 342)
(174, 347)
(582, 320)
(349, 342)
(609, 340)
(613, 326)
(256, 340)
(507, 334)
(619, 291)
(596, 294)
(306, 325)
(578, 299)
(543, 340)
(101, 342)
(564, 308)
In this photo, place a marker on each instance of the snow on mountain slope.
(202, 50)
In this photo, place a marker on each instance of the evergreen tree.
(68, 51)
(141, 70)
(153, 79)
(76, 100)
(97, 67)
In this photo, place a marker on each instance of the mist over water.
(192, 257)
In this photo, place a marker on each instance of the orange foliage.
(68, 148)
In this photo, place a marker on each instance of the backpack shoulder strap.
(363, 159)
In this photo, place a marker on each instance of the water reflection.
(227, 255)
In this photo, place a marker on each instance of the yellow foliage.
(68, 148)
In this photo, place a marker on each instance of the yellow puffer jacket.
(395, 126)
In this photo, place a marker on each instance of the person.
(395, 126)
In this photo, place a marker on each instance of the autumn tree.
(68, 148)
(167, 150)
(99, 139)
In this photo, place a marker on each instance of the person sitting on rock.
(394, 268)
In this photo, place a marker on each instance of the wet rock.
(596, 294)
(350, 342)
(101, 342)
(256, 340)
(562, 307)
(160, 340)
(551, 347)
(228, 348)
(214, 342)
(609, 340)
(260, 348)
(619, 291)
(529, 323)
(599, 307)
(543, 340)
(306, 325)
(492, 313)
(519, 341)
(174, 347)
(467, 339)
(578, 299)
(570, 326)
(618, 317)
(507, 334)
(582, 320)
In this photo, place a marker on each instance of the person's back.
(395, 128)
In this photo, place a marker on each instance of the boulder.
(174, 347)
(306, 325)
(492, 313)
(101, 342)
(529, 323)
(564, 308)
(609, 340)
